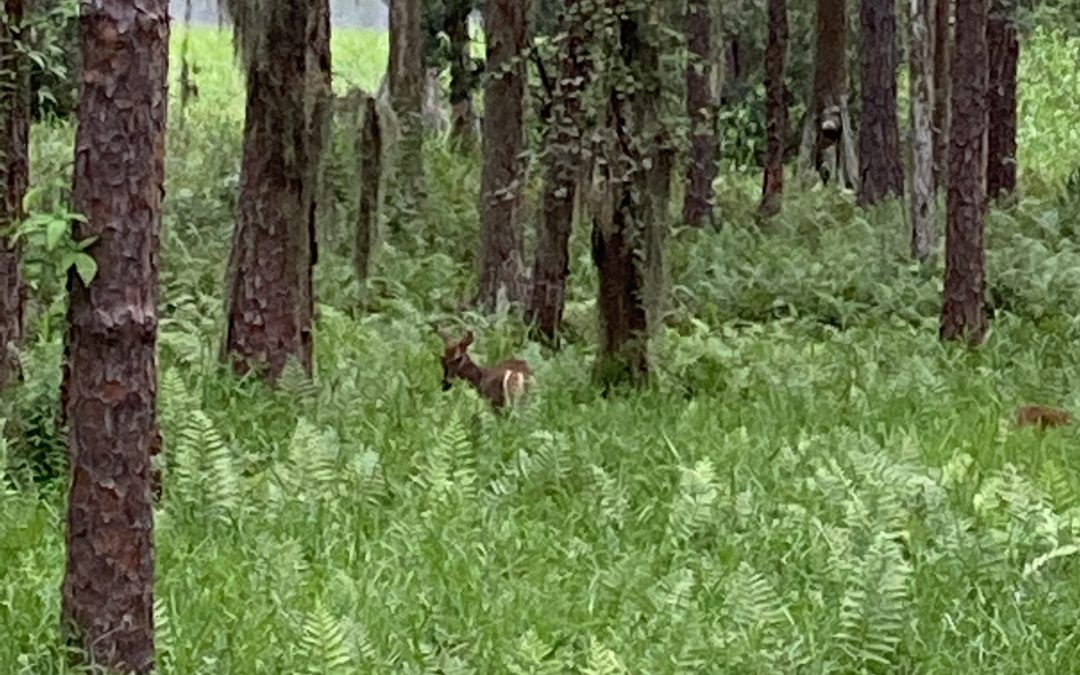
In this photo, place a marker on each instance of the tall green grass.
(812, 483)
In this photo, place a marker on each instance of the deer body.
(501, 384)
(1041, 416)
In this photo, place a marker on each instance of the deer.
(1041, 416)
(501, 384)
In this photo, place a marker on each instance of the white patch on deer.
(512, 391)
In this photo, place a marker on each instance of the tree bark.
(502, 248)
(923, 212)
(406, 81)
(14, 180)
(881, 174)
(701, 109)
(1004, 45)
(319, 117)
(962, 312)
(943, 34)
(110, 373)
(776, 110)
(828, 146)
(462, 116)
(551, 266)
(269, 307)
(369, 149)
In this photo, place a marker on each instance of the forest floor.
(812, 483)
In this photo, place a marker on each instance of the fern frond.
(694, 507)
(874, 606)
(603, 661)
(324, 644)
(205, 472)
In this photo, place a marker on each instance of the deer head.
(504, 383)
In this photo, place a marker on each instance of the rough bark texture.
(619, 229)
(962, 312)
(462, 117)
(110, 378)
(14, 177)
(405, 80)
(828, 146)
(943, 33)
(701, 105)
(369, 149)
(881, 174)
(1004, 45)
(502, 248)
(319, 117)
(776, 110)
(563, 164)
(269, 308)
(923, 213)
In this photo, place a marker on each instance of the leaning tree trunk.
(269, 309)
(462, 117)
(564, 152)
(943, 34)
(1004, 45)
(923, 212)
(776, 110)
(502, 248)
(406, 80)
(14, 179)
(701, 109)
(963, 312)
(370, 150)
(881, 174)
(828, 146)
(110, 374)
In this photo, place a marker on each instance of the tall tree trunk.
(318, 117)
(701, 108)
(406, 82)
(923, 212)
(369, 149)
(962, 312)
(880, 172)
(776, 110)
(619, 235)
(110, 374)
(270, 289)
(564, 154)
(502, 248)
(943, 45)
(14, 179)
(462, 117)
(828, 146)
(1004, 45)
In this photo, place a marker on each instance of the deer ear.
(468, 339)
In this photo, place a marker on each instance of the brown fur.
(503, 383)
(1042, 416)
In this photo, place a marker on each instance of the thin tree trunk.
(881, 174)
(110, 374)
(1004, 45)
(776, 110)
(943, 33)
(406, 82)
(14, 180)
(270, 288)
(462, 117)
(369, 149)
(701, 110)
(552, 263)
(318, 119)
(963, 312)
(502, 248)
(923, 216)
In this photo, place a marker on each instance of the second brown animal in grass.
(502, 384)
(1041, 416)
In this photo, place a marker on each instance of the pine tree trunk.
(828, 145)
(110, 374)
(962, 312)
(406, 81)
(564, 154)
(701, 108)
(369, 149)
(319, 117)
(923, 212)
(1004, 46)
(502, 247)
(776, 110)
(462, 117)
(14, 180)
(943, 44)
(881, 174)
(269, 311)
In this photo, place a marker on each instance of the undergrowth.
(811, 483)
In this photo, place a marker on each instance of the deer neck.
(472, 373)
